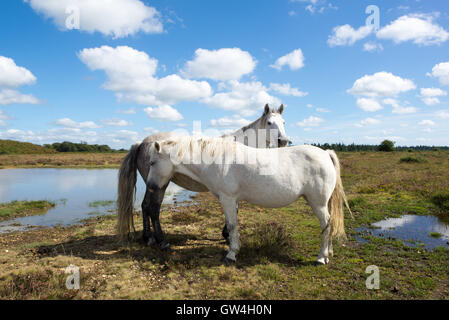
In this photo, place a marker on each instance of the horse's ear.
(267, 109)
(157, 146)
(281, 109)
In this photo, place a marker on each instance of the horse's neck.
(239, 135)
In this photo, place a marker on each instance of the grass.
(276, 260)
(101, 203)
(16, 147)
(16, 209)
(411, 160)
(435, 235)
(62, 160)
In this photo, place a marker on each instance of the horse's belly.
(272, 199)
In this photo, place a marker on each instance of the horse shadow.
(206, 251)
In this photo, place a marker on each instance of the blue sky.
(133, 67)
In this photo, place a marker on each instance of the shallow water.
(412, 229)
(72, 190)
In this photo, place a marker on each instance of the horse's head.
(161, 167)
(273, 121)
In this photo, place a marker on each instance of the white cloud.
(244, 98)
(427, 123)
(13, 76)
(223, 64)
(381, 84)
(443, 114)
(8, 96)
(367, 121)
(234, 121)
(164, 113)
(118, 18)
(69, 123)
(131, 75)
(286, 90)
(294, 60)
(441, 71)
(397, 108)
(310, 122)
(369, 105)
(127, 111)
(346, 35)
(372, 46)
(430, 95)
(116, 122)
(418, 28)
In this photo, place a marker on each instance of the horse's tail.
(336, 202)
(127, 177)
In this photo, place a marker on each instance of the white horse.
(257, 134)
(272, 178)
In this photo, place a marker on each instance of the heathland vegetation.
(279, 246)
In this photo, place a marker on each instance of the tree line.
(386, 146)
(67, 146)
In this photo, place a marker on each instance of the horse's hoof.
(165, 246)
(322, 261)
(229, 262)
(151, 241)
(230, 258)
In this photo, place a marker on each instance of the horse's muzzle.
(283, 142)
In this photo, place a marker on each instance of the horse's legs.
(148, 237)
(225, 232)
(230, 211)
(323, 215)
(156, 198)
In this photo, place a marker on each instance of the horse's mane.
(212, 146)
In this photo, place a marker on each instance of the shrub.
(386, 146)
(412, 160)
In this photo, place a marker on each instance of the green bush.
(386, 146)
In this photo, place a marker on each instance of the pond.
(78, 194)
(424, 231)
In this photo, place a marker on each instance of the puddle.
(423, 231)
(78, 193)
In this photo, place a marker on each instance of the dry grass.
(62, 160)
(276, 261)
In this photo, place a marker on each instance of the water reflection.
(427, 231)
(73, 190)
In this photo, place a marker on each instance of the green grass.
(412, 160)
(101, 203)
(16, 147)
(276, 260)
(15, 209)
(435, 235)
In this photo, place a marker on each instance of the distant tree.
(386, 146)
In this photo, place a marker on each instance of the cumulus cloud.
(286, 90)
(381, 84)
(311, 121)
(116, 122)
(8, 96)
(443, 114)
(372, 46)
(69, 123)
(118, 18)
(244, 98)
(294, 60)
(367, 121)
(131, 75)
(369, 105)
(427, 123)
(441, 71)
(230, 122)
(417, 28)
(399, 109)
(430, 96)
(12, 77)
(222, 64)
(346, 35)
(164, 113)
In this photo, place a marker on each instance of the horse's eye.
(152, 163)
(270, 123)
